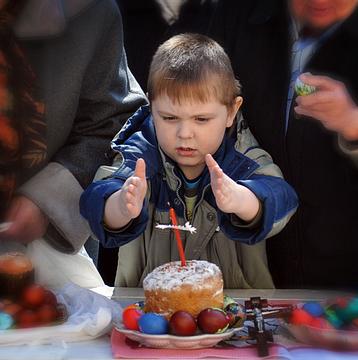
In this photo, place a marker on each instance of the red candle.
(173, 219)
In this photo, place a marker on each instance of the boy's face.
(188, 131)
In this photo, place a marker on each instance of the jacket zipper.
(178, 196)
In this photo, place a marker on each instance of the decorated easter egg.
(314, 308)
(155, 324)
(303, 89)
(213, 320)
(130, 318)
(236, 314)
(182, 323)
(6, 321)
(300, 317)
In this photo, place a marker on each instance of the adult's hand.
(28, 222)
(330, 104)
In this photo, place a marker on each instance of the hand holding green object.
(303, 89)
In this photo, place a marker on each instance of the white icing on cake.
(171, 275)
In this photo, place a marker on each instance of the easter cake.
(172, 287)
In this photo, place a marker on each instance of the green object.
(303, 89)
(333, 318)
(228, 300)
(235, 312)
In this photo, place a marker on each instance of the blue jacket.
(238, 156)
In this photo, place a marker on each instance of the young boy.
(181, 153)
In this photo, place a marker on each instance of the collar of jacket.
(233, 164)
(47, 18)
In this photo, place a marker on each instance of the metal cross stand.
(257, 310)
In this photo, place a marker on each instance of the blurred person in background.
(148, 23)
(65, 91)
(313, 138)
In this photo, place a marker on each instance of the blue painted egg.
(313, 308)
(155, 324)
(6, 321)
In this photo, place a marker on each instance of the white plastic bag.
(55, 269)
(90, 315)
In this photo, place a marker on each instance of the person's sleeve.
(279, 203)
(92, 205)
(109, 95)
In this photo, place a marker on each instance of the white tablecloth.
(100, 349)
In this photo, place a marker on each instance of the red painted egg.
(138, 305)
(130, 318)
(182, 323)
(321, 323)
(34, 296)
(211, 321)
(300, 317)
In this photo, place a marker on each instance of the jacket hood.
(46, 18)
(137, 139)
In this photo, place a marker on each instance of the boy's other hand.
(231, 198)
(134, 190)
(126, 204)
(222, 186)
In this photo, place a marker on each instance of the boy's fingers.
(140, 169)
(210, 162)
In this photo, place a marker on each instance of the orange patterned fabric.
(22, 124)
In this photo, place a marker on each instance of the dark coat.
(319, 246)
(146, 14)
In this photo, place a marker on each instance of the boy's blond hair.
(193, 67)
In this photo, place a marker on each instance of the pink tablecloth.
(123, 348)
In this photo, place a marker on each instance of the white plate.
(326, 338)
(177, 342)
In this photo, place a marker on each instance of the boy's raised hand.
(134, 190)
(126, 204)
(231, 198)
(222, 185)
